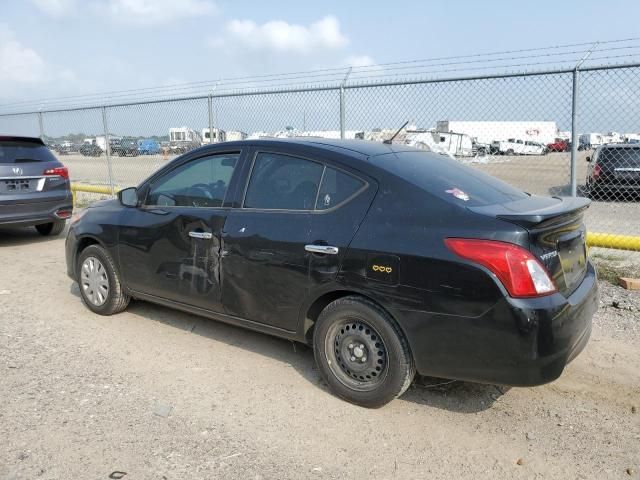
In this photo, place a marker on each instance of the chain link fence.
(560, 132)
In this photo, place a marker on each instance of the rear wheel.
(510, 152)
(52, 228)
(99, 282)
(361, 352)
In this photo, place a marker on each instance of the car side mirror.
(128, 197)
(588, 159)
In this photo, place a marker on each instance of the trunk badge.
(548, 256)
(17, 171)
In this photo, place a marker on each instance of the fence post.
(342, 115)
(210, 109)
(107, 148)
(574, 122)
(41, 125)
(574, 134)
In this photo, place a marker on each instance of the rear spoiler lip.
(17, 138)
(534, 216)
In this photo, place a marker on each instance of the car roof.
(620, 145)
(363, 147)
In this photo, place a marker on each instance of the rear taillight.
(520, 272)
(597, 171)
(58, 172)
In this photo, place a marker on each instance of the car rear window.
(448, 179)
(15, 151)
(620, 157)
(336, 187)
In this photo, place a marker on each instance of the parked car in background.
(149, 147)
(34, 186)
(515, 146)
(614, 172)
(559, 145)
(387, 259)
(90, 150)
(125, 147)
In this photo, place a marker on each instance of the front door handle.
(202, 235)
(326, 249)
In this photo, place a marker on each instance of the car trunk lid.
(556, 232)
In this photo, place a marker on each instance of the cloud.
(138, 12)
(56, 8)
(154, 12)
(23, 72)
(281, 36)
(19, 63)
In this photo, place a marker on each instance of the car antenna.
(389, 141)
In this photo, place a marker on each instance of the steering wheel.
(200, 190)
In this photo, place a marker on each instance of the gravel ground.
(160, 394)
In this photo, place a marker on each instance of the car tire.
(51, 228)
(510, 152)
(100, 269)
(362, 353)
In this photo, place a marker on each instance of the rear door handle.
(326, 249)
(203, 235)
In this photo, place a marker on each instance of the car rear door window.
(200, 183)
(283, 182)
(336, 188)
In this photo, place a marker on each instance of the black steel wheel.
(361, 352)
(357, 354)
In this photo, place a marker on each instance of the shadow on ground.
(10, 237)
(455, 396)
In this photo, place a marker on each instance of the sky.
(52, 48)
(52, 51)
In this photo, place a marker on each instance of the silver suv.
(34, 186)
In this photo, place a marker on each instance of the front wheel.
(361, 352)
(99, 282)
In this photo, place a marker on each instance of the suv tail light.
(518, 269)
(58, 171)
(597, 171)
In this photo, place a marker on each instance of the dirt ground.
(159, 394)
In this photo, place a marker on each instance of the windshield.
(448, 179)
(620, 157)
(16, 151)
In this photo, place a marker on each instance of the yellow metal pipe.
(105, 189)
(613, 240)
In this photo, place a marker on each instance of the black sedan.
(388, 260)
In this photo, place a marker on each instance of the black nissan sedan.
(386, 259)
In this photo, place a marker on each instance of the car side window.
(203, 182)
(336, 187)
(283, 182)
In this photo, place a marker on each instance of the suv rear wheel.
(52, 228)
(99, 282)
(361, 352)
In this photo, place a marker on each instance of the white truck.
(447, 143)
(514, 146)
(183, 139)
(484, 133)
(218, 136)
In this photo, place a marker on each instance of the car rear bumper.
(35, 212)
(519, 342)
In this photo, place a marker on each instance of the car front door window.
(200, 183)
